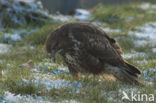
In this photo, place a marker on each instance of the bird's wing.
(101, 47)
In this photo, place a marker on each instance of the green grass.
(94, 89)
(116, 16)
(40, 36)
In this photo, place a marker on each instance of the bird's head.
(53, 45)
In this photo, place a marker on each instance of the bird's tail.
(129, 74)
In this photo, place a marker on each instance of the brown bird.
(85, 48)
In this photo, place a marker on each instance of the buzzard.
(86, 48)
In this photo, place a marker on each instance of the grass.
(124, 17)
(93, 89)
(39, 37)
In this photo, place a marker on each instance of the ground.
(28, 75)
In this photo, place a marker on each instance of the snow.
(21, 13)
(105, 28)
(4, 48)
(145, 34)
(16, 35)
(147, 31)
(27, 0)
(154, 50)
(109, 30)
(45, 73)
(149, 74)
(134, 55)
(82, 15)
(141, 43)
(50, 81)
(145, 6)
(12, 98)
(129, 18)
(62, 18)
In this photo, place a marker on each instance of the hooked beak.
(52, 56)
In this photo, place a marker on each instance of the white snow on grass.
(147, 31)
(105, 28)
(50, 81)
(141, 43)
(109, 30)
(12, 98)
(134, 55)
(154, 50)
(146, 34)
(146, 6)
(130, 18)
(16, 35)
(50, 68)
(4, 48)
(27, 0)
(46, 73)
(82, 15)
(62, 18)
(149, 74)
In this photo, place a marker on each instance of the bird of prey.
(86, 48)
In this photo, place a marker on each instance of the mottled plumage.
(86, 48)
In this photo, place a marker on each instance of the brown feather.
(86, 48)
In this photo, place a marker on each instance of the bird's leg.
(108, 77)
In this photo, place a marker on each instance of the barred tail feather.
(126, 76)
(124, 73)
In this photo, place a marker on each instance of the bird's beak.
(52, 57)
(52, 54)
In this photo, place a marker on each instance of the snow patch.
(109, 30)
(134, 55)
(154, 50)
(50, 82)
(145, 6)
(82, 15)
(16, 35)
(12, 98)
(149, 74)
(27, 0)
(45, 73)
(62, 18)
(4, 48)
(147, 31)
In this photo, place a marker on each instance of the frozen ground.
(16, 35)
(80, 15)
(146, 31)
(4, 48)
(51, 76)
